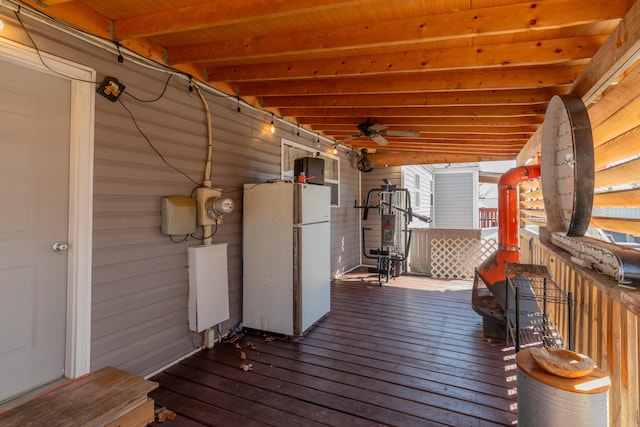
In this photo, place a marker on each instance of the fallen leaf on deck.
(243, 355)
(268, 339)
(247, 367)
(238, 346)
(164, 414)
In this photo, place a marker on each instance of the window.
(292, 151)
(416, 186)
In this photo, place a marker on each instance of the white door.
(34, 188)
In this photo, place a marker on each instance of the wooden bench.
(109, 397)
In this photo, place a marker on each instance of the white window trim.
(313, 152)
(78, 330)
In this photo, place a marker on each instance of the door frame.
(78, 327)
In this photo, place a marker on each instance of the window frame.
(284, 174)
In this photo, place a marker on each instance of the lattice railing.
(458, 258)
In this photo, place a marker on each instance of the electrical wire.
(179, 241)
(166, 84)
(139, 60)
(206, 237)
(135, 123)
(41, 57)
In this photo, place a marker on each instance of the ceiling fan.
(378, 131)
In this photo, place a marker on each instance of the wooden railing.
(606, 324)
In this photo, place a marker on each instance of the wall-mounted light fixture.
(272, 128)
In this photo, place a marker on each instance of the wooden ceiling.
(473, 77)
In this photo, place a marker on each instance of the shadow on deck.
(409, 354)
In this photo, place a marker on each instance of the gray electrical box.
(178, 215)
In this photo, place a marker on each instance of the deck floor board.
(411, 353)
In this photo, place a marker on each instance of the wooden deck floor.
(408, 354)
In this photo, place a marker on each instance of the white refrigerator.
(286, 256)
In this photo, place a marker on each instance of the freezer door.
(313, 203)
(313, 275)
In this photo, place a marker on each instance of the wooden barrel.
(546, 400)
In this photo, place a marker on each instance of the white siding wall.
(426, 174)
(139, 289)
(456, 198)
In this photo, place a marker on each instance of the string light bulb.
(1, 24)
(335, 149)
(272, 128)
(318, 141)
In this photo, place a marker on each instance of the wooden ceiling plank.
(547, 52)
(426, 121)
(441, 150)
(77, 15)
(434, 27)
(443, 143)
(621, 50)
(379, 112)
(421, 158)
(467, 98)
(611, 61)
(220, 13)
(449, 130)
(464, 80)
(426, 137)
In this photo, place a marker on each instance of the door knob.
(59, 247)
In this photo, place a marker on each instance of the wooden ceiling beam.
(448, 130)
(461, 147)
(217, 14)
(75, 14)
(451, 149)
(463, 80)
(529, 53)
(422, 158)
(551, 14)
(480, 97)
(426, 137)
(426, 121)
(379, 112)
(619, 52)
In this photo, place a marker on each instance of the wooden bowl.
(563, 363)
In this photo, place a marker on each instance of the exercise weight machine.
(394, 207)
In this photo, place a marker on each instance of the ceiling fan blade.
(376, 127)
(408, 133)
(342, 141)
(379, 139)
